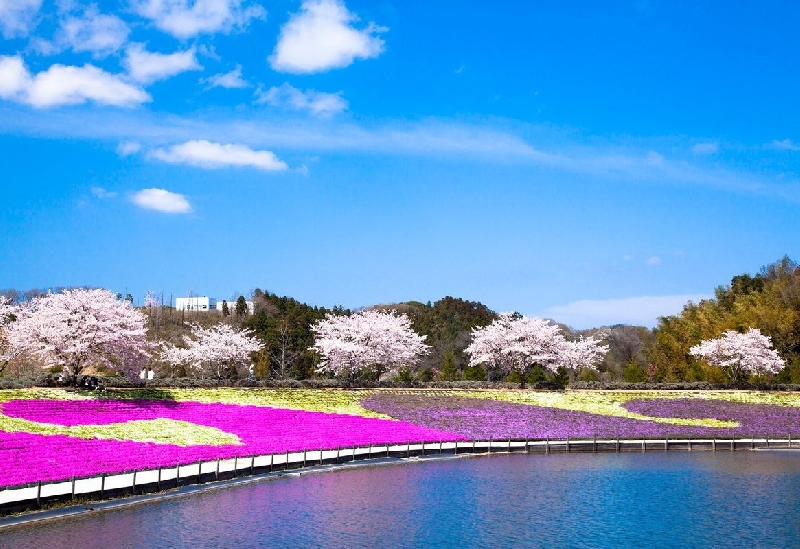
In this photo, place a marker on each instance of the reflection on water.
(700, 499)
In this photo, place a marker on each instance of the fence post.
(158, 480)
(440, 446)
(387, 450)
(594, 444)
(72, 495)
(304, 457)
(235, 465)
(199, 469)
(216, 472)
(527, 448)
(489, 447)
(714, 444)
(134, 482)
(547, 445)
(286, 467)
(252, 464)
(338, 449)
(643, 448)
(618, 444)
(39, 494)
(568, 445)
(102, 485)
(178, 476)
(271, 461)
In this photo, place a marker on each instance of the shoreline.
(30, 518)
(410, 454)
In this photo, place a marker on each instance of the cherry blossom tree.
(516, 343)
(366, 341)
(78, 327)
(586, 352)
(8, 314)
(739, 354)
(215, 352)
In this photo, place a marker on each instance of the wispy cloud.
(90, 31)
(65, 85)
(321, 37)
(127, 148)
(653, 260)
(148, 67)
(784, 145)
(287, 96)
(161, 200)
(17, 16)
(205, 154)
(641, 311)
(185, 19)
(711, 147)
(102, 193)
(495, 141)
(232, 79)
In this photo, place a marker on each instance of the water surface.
(699, 499)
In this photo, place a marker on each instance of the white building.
(198, 303)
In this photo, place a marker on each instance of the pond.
(672, 499)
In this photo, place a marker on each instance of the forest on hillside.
(768, 300)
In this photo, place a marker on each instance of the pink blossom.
(351, 344)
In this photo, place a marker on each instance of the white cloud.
(14, 78)
(784, 145)
(205, 154)
(641, 311)
(17, 16)
(161, 200)
(653, 260)
(186, 18)
(706, 148)
(127, 148)
(146, 67)
(232, 79)
(93, 32)
(320, 37)
(65, 85)
(287, 96)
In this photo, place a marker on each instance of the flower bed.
(754, 420)
(52, 435)
(260, 430)
(482, 418)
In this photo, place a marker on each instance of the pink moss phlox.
(262, 431)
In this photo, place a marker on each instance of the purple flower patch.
(476, 418)
(755, 420)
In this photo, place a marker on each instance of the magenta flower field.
(28, 457)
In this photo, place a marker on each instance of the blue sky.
(591, 163)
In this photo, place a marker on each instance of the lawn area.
(49, 434)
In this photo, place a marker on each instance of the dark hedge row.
(49, 380)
